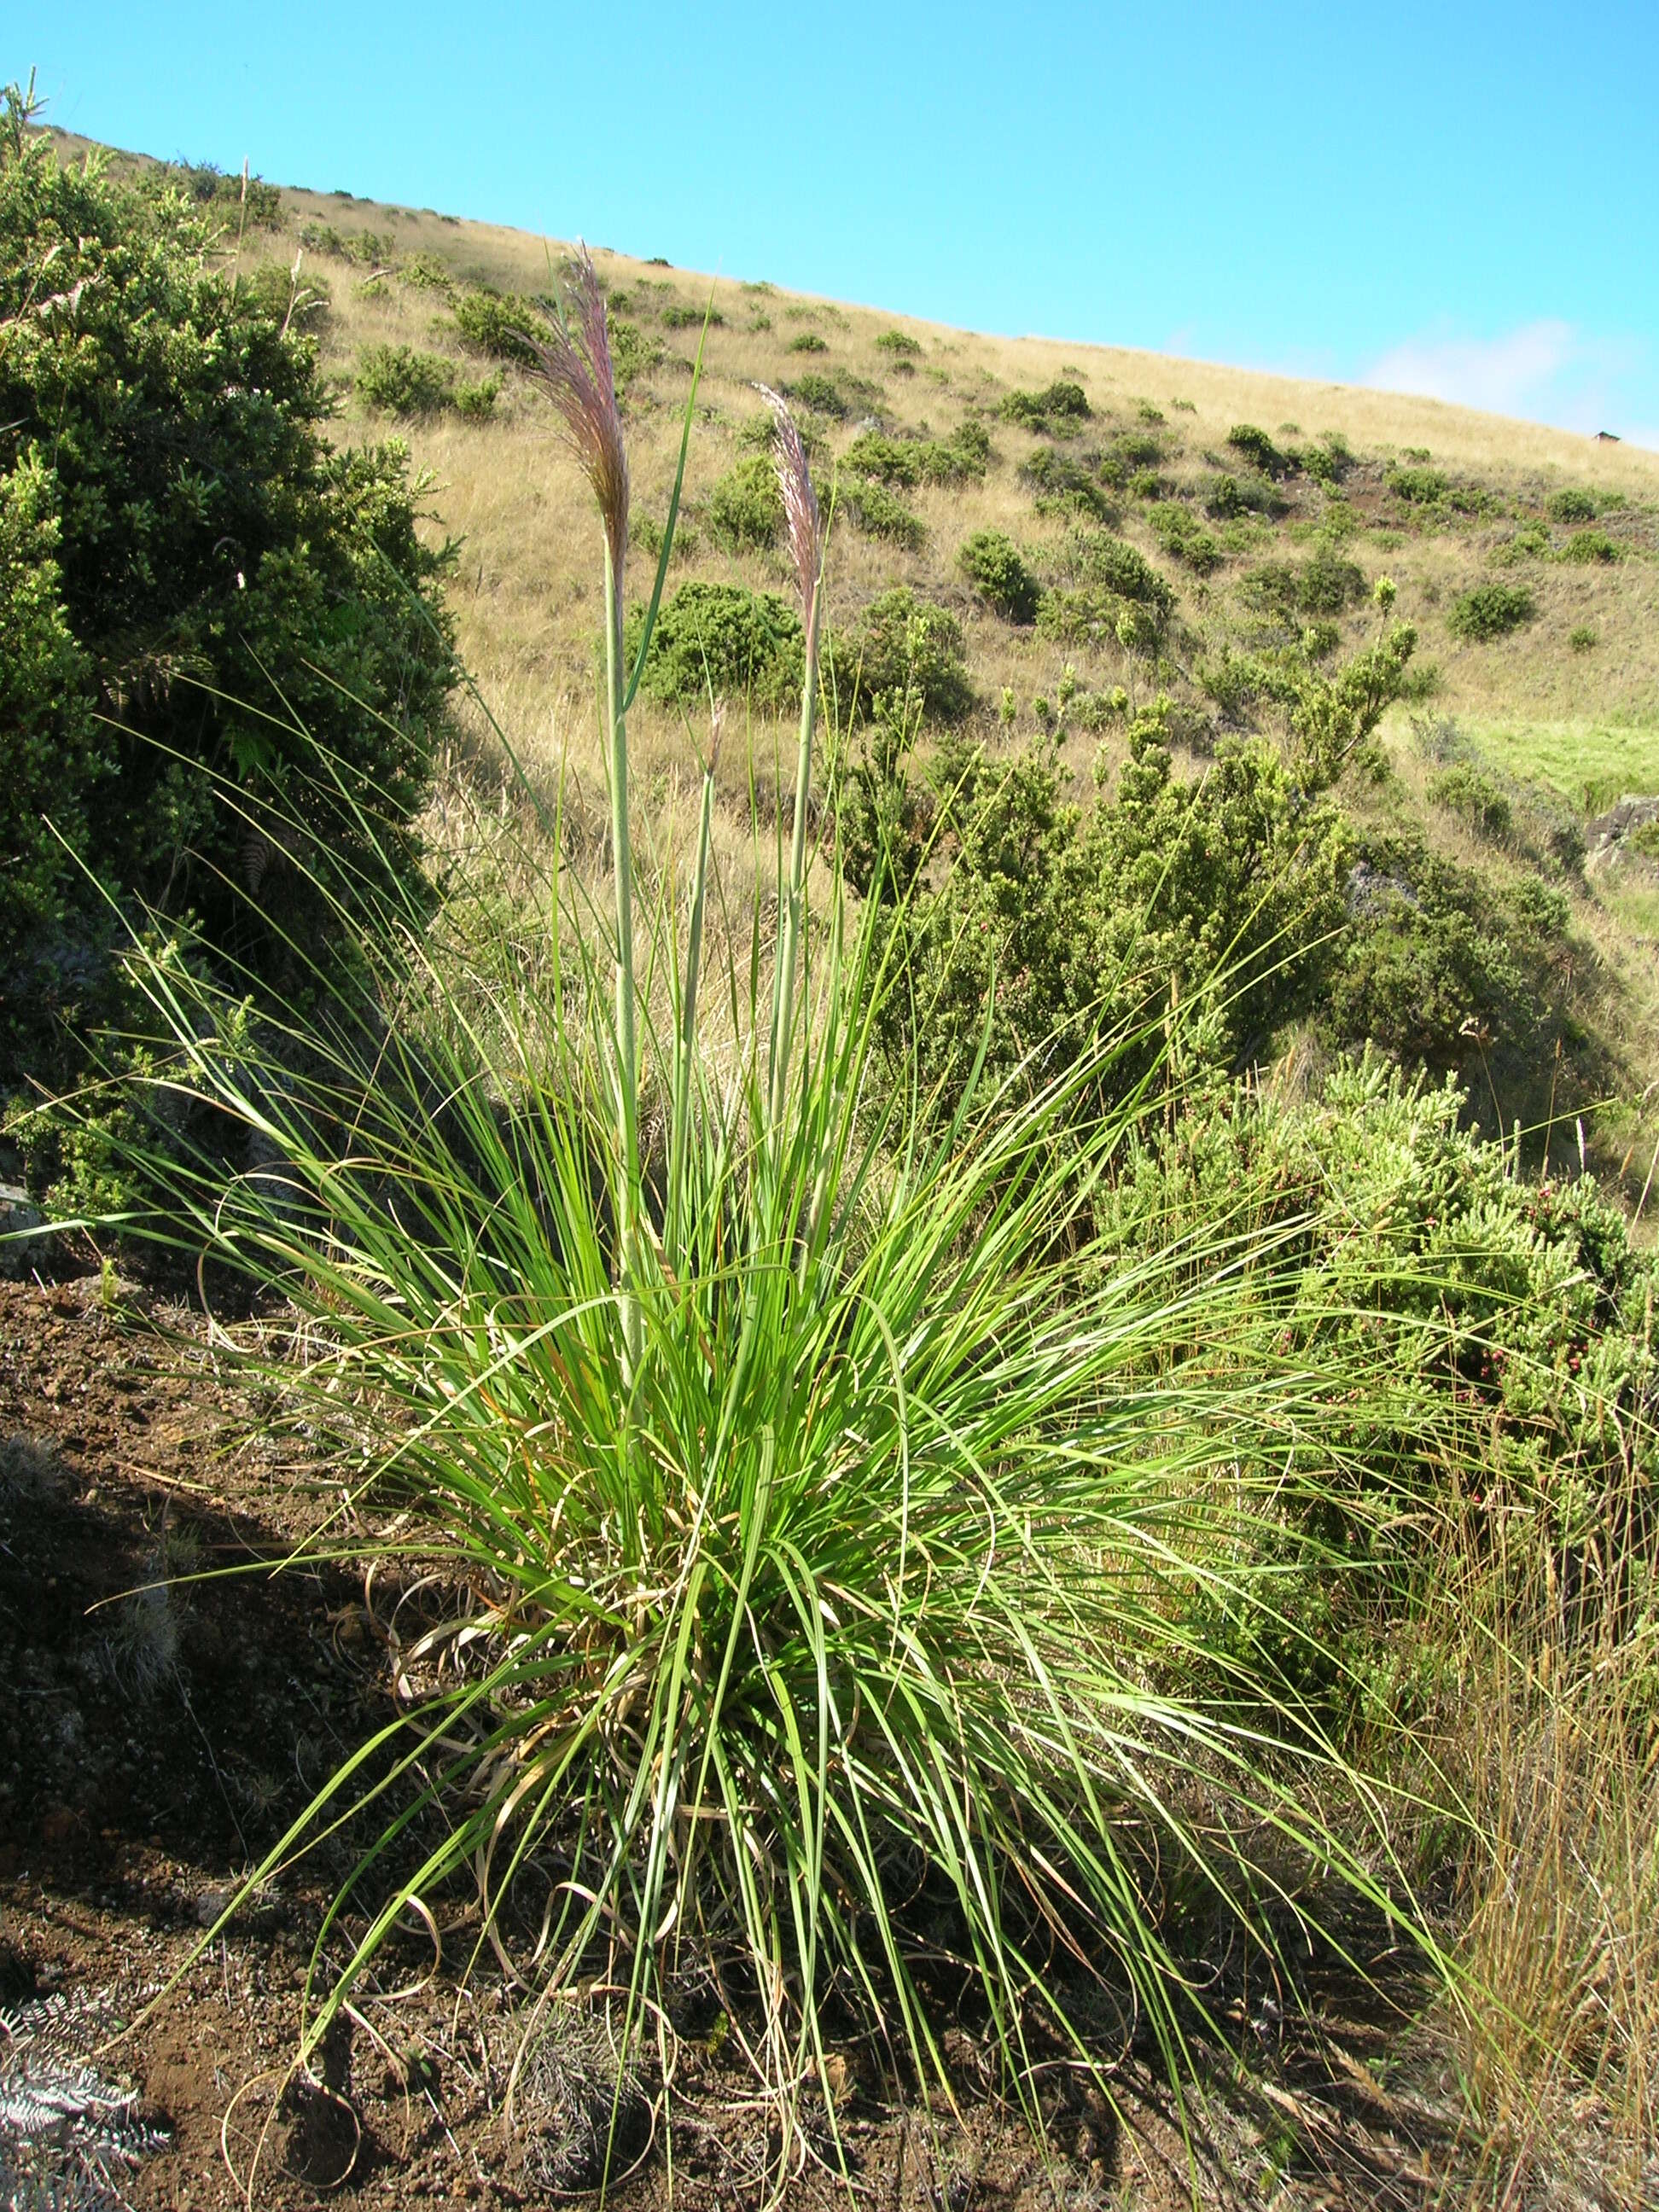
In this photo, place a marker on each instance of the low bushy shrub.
(680, 315)
(398, 380)
(899, 343)
(905, 646)
(996, 568)
(499, 324)
(820, 393)
(1582, 638)
(1475, 799)
(1058, 406)
(1329, 584)
(722, 641)
(235, 199)
(1259, 450)
(1184, 538)
(1591, 546)
(808, 342)
(879, 512)
(1095, 556)
(1064, 484)
(1490, 610)
(745, 508)
(1418, 487)
(1573, 504)
(909, 462)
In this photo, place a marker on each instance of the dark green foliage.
(1590, 546)
(907, 462)
(1330, 461)
(632, 354)
(499, 324)
(820, 393)
(879, 512)
(1057, 407)
(399, 380)
(679, 315)
(905, 646)
(1066, 485)
(234, 201)
(424, 272)
(1573, 504)
(808, 342)
(225, 582)
(1329, 584)
(900, 343)
(1418, 487)
(1095, 557)
(995, 567)
(1229, 497)
(1582, 639)
(1129, 462)
(1272, 588)
(1184, 538)
(1490, 610)
(1259, 450)
(1524, 1300)
(745, 508)
(720, 640)
(1447, 968)
(1475, 799)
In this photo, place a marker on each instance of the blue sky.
(1460, 199)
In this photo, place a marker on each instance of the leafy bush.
(745, 508)
(1095, 556)
(182, 550)
(1330, 461)
(899, 342)
(1418, 487)
(1490, 610)
(1181, 535)
(1058, 404)
(1582, 638)
(1586, 546)
(808, 342)
(632, 353)
(1228, 497)
(820, 393)
(1573, 504)
(1259, 450)
(1473, 798)
(235, 199)
(1066, 485)
(680, 315)
(1329, 584)
(879, 512)
(723, 640)
(902, 645)
(995, 567)
(500, 324)
(399, 380)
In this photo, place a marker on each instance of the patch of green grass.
(1591, 764)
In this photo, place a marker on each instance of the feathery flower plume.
(573, 365)
(800, 509)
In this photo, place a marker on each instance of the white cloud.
(1546, 371)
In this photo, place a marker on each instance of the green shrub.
(1095, 556)
(745, 508)
(1573, 504)
(820, 393)
(1587, 546)
(879, 512)
(1330, 461)
(1644, 840)
(1418, 487)
(995, 567)
(398, 380)
(1273, 588)
(476, 402)
(1259, 450)
(424, 272)
(899, 342)
(1475, 799)
(1058, 404)
(183, 551)
(904, 646)
(1490, 610)
(1181, 534)
(1329, 584)
(680, 315)
(1066, 485)
(1582, 639)
(500, 324)
(808, 342)
(632, 354)
(233, 199)
(723, 640)
(1229, 497)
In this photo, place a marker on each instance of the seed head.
(573, 366)
(800, 509)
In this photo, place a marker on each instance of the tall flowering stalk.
(805, 531)
(573, 365)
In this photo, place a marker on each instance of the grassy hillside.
(1269, 507)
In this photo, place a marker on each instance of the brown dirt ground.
(155, 1743)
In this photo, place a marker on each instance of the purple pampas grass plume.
(573, 366)
(800, 509)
